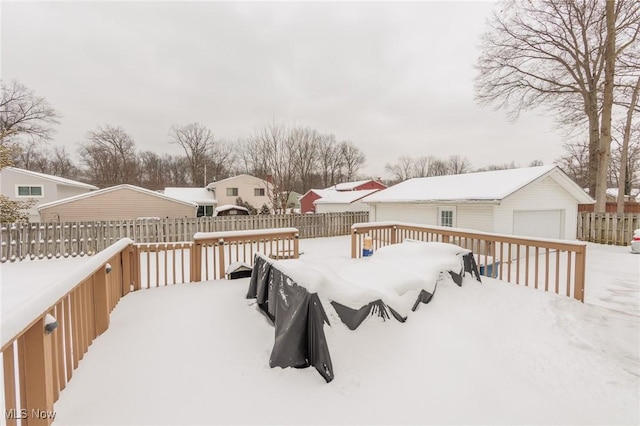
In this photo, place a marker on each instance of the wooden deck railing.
(553, 265)
(38, 365)
(214, 251)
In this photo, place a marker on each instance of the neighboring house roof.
(613, 192)
(481, 186)
(344, 197)
(52, 178)
(216, 183)
(320, 192)
(230, 207)
(201, 196)
(348, 186)
(111, 189)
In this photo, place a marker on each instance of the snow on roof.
(320, 192)
(480, 186)
(613, 192)
(230, 207)
(56, 179)
(344, 197)
(110, 189)
(218, 182)
(201, 196)
(348, 186)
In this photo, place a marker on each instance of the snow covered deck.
(490, 353)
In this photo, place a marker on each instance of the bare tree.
(60, 164)
(402, 170)
(275, 144)
(623, 187)
(22, 113)
(575, 162)
(197, 141)
(551, 54)
(458, 165)
(109, 156)
(331, 161)
(353, 158)
(306, 155)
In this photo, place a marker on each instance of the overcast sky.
(394, 78)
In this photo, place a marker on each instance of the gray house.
(21, 185)
(534, 201)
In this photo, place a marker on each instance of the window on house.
(29, 191)
(205, 211)
(258, 192)
(446, 216)
(232, 192)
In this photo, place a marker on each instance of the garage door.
(538, 223)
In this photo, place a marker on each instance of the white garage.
(534, 201)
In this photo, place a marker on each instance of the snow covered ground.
(491, 353)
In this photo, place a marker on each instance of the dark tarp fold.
(298, 318)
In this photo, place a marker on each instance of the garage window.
(447, 216)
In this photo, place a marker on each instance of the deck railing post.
(196, 262)
(296, 246)
(38, 359)
(221, 267)
(580, 273)
(354, 236)
(100, 301)
(126, 258)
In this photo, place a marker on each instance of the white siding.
(342, 207)
(425, 214)
(12, 179)
(246, 190)
(542, 195)
(475, 216)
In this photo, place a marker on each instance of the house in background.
(120, 202)
(21, 185)
(534, 201)
(307, 201)
(360, 185)
(251, 189)
(203, 197)
(343, 201)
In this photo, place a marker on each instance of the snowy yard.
(491, 353)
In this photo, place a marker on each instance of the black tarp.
(298, 318)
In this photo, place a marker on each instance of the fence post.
(38, 360)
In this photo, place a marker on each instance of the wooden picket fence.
(19, 241)
(607, 228)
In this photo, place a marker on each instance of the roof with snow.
(226, 207)
(348, 186)
(201, 196)
(320, 192)
(111, 189)
(480, 186)
(52, 178)
(344, 197)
